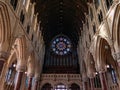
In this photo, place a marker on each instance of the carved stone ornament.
(3, 55)
(116, 56)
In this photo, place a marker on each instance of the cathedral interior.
(59, 44)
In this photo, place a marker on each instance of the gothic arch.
(47, 86)
(5, 28)
(116, 29)
(46, 82)
(20, 50)
(102, 51)
(74, 86)
(77, 83)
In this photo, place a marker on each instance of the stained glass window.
(61, 45)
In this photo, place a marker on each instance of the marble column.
(92, 83)
(103, 81)
(18, 80)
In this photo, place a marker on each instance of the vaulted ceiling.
(61, 17)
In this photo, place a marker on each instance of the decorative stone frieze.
(55, 79)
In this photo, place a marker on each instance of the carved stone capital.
(37, 78)
(30, 74)
(116, 56)
(4, 55)
(102, 69)
(20, 68)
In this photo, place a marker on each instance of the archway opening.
(74, 87)
(60, 87)
(10, 76)
(47, 86)
(107, 63)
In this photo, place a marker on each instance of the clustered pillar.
(35, 84)
(29, 83)
(18, 80)
(92, 83)
(19, 75)
(85, 85)
(103, 80)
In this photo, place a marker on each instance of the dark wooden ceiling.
(61, 16)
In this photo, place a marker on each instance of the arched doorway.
(47, 86)
(74, 87)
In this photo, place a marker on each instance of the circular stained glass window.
(61, 45)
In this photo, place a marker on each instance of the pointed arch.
(116, 29)
(103, 49)
(74, 86)
(46, 86)
(20, 50)
(5, 28)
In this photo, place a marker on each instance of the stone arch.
(45, 82)
(10, 70)
(103, 52)
(116, 31)
(74, 86)
(47, 86)
(75, 82)
(90, 64)
(12, 57)
(20, 50)
(5, 29)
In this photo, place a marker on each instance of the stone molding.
(4, 55)
(30, 74)
(20, 68)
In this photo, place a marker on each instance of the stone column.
(18, 79)
(85, 82)
(116, 57)
(29, 83)
(85, 85)
(35, 84)
(92, 83)
(103, 81)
